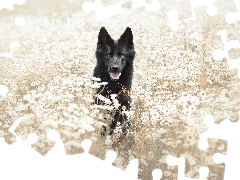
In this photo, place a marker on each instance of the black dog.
(115, 66)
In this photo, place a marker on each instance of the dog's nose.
(114, 68)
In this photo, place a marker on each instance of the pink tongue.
(115, 75)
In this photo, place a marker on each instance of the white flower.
(154, 114)
(194, 100)
(192, 108)
(85, 110)
(73, 118)
(166, 111)
(187, 111)
(104, 83)
(110, 108)
(96, 85)
(88, 84)
(113, 96)
(202, 94)
(96, 79)
(33, 83)
(182, 100)
(116, 103)
(173, 109)
(89, 120)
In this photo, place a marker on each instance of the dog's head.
(115, 54)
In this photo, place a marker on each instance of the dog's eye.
(108, 55)
(120, 56)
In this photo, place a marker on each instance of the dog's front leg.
(124, 99)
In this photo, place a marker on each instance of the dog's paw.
(123, 98)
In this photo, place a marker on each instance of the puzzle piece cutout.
(109, 156)
(220, 23)
(10, 54)
(3, 90)
(230, 38)
(22, 159)
(176, 11)
(19, 21)
(9, 137)
(195, 159)
(105, 9)
(9, 4)
(152, 6)
(102, 12)
(180, 162)
(230, 42)
(166, 171)
(234, 53)
(229, 131)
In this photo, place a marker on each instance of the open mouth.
(115, 75)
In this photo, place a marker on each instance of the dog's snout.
(114, 68)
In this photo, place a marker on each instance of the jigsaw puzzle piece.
(28, 80)
(8, 121)
(110, 158)
(10, 53)
(182, 9)
(200, 158)
(127, 152)
(211, 26)
(176, 11)
(231, 25)
(229, 131)
(234, 53)
(43, 145)
(232, 30)
(231, 50)
(228, 46)
(6, 19)
(165, 171)
(212, 15)
(180, 162)
(7, 112)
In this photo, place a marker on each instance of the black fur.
(113, 58)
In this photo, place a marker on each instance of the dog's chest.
(112, 88)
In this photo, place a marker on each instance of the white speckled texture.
(176, 83)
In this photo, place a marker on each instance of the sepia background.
(176, 83)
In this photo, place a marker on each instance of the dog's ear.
(127, 37)
(103, 37)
